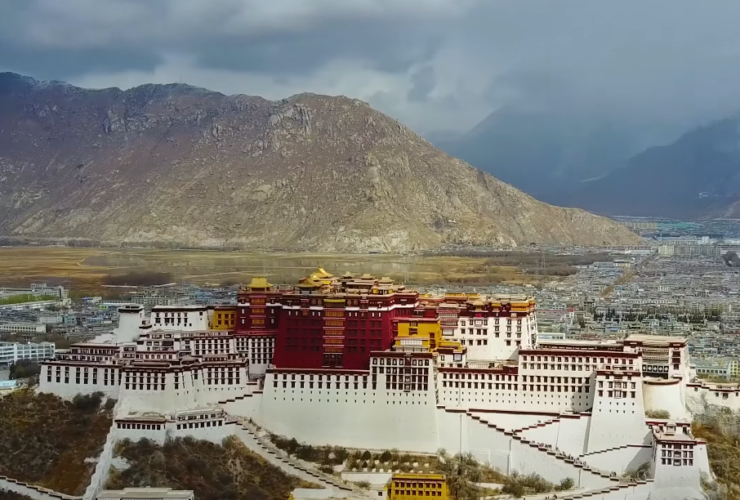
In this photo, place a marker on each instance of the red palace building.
(324, 321)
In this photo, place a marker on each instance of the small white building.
(23, 327)
(146, 494)
(11, 352)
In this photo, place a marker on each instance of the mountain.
(696, 176)
(545, 151)
(175, 163)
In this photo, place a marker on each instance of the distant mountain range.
(697, 176)
(584, 161)
(175, 164)
(544, 152)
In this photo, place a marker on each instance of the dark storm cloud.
(66, 64)
(116, 35)
(432, 63)
(388, 47)
(423, 82)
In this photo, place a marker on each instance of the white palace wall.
(511, 421)
(665, 395)
(697, 395)
(701, 459)
(357, 418)
(617, 421)
(620, 460)
(68, 391)
(545, 432)
(487, 444)
(573, 434)
(214, 434)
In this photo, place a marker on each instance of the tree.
(641, 473)
(566, 484)
(462, 473)
(24, 368)
(661, 414)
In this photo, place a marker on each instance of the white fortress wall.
(212, 434)
(527, 459)
(701, 459)
(573, 433)
(545, 432)
(246, 406)
(31, 490)
(100, 474)
(213, 430)
(624, 492)
(620, 460)
(130, 318)
(449, 425)
(673, 482)
(95, 383)
(157, 435)
(665, 395)
(510, 421)
(697, 395)
(618, 416)
(488, 445)
(356, 418)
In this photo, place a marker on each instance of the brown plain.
(85, 269)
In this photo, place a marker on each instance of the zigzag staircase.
(296, 467)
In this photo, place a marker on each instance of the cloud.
(434, 64)
(423, 82)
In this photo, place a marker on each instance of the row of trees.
(695, 317)
(462, 471)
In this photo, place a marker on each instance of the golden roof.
(322, 273)
(259, 282)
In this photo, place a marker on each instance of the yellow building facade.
(407, 486)
(424, 333)
(224, 318)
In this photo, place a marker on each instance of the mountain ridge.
(179, 163)
(696, 176)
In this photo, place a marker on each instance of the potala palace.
(364, 363)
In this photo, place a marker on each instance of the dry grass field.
(84, 269)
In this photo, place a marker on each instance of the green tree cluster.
(24, 368)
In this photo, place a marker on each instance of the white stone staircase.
(249, 434)
(32, 491)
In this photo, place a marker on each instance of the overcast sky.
(434, 64)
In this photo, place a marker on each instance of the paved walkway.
(32, 491)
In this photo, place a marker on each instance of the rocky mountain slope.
(696, 176)
(174, 163)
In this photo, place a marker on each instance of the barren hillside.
(174, 163)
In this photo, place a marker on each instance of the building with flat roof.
(409, 486)
(146, 494)
(23, 327)
(11, 352)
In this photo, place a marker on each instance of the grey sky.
(434, 64)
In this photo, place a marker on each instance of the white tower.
(130, 317)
